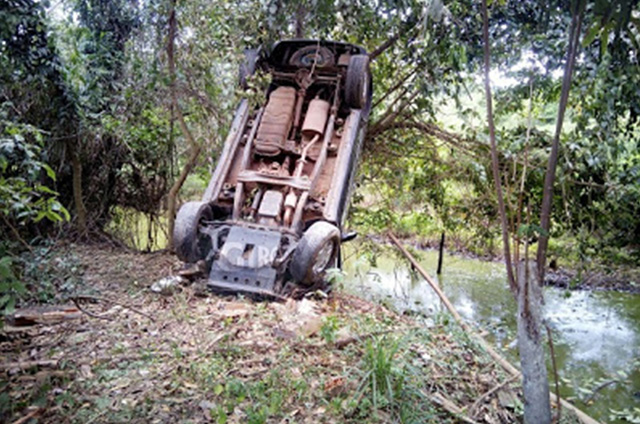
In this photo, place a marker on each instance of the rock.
(299, 318)
(168, 285)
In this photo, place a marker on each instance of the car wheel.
(189, 245)
(317, 251)
(248, 66)
(356, 89)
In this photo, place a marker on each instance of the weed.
(382, 382)
(336, 277)
(385, 379)
(329, 328)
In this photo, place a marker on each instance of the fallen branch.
(104, 299)
(17, 234)
(91, 314)
(584, 418)
(28, 317)
(486, 395)
(25, 365)
(33, 414)
(450, 406)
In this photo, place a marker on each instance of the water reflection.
(596, 334)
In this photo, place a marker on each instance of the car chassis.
(270, 221)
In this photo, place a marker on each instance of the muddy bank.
(622, 279)
(572, 280)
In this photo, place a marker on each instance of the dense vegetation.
(90, 114)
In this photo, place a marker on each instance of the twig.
(17, 234)
(91, 314)
(489, 393)
(30, 415)
(450, 406)
(25, 365)
(600, 387)
(555, 371)
(392, 40)
(104, 299)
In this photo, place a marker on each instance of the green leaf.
(50, 172)
(218, 389)
(40, 216)
(604, 38)
(591, 35)
(10, 306)
(4, 300)
(45, 189)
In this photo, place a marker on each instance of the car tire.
(317, 250)
(357, 84)
(248, 66)
(189, 245)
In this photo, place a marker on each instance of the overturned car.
(270, 221)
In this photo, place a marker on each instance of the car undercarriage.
(270, 221)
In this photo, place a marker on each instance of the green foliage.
(24, 196)
(329, 328)
(50, 276)
(10, 287)
(41, 275)
(91, 76)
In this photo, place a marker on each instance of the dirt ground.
(131, 355)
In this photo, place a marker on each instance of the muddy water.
(596, 334)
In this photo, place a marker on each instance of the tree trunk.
(76, 167)
(537, 408)
(494, 152)
(194, 146)
(549, 179)
(440, 254)
(301, 14)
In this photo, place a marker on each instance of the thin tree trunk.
(537, 408)
(523, 178)
(494, 152)
(384, 46)
(535, 385)
(549, 179)
(391, 41)
(301, 14)
(76, 167)
(397, 85)
(194, 146)
(440, 254)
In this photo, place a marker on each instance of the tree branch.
(195, 147)
(402, 80)
(494, 151)
(384, 46)
(549, 179)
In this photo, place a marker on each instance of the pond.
(596, 333)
